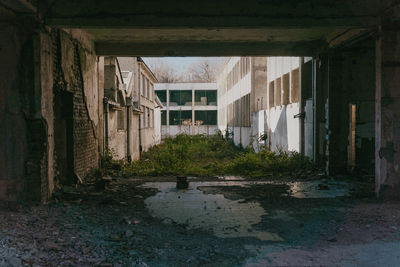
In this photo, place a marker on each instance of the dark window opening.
(178, 117)
(163, 117)
(180, 98)
(205, 97)
(208, 117)
(162, 95)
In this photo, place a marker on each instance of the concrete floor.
(233, 222)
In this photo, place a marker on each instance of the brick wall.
(68, 74)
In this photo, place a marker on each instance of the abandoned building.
(238, 87)
(189, 108)
(123, 109)
(149, 105)
(258, 97)
(52, 79)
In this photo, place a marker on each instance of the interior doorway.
(63, 137)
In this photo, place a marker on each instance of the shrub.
(201, 155)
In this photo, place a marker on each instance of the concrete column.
(167, 111)
(319, 95)
(302, 104)
(387, 124)
(337, 117)
(193, 112)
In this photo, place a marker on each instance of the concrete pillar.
(301, 106)
(319, 95)
(387, 124)
(193, 112)
(167, 112)
(337, 117)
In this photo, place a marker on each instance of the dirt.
(115, 224)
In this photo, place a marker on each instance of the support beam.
(387, 124)
(211, 13)
(209, 48)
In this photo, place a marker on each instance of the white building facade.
(242, 99)
(259, 97)
(188, 108)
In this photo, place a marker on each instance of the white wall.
(241, 135)
(157, 125)
(283, 128)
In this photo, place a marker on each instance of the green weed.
(201, 155)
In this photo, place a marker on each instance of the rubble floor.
(215, 222)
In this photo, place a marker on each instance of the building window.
(278, 92)
(178, 117)
(162, 95)
(206, 117)
(146, 88)
(241, 112)
(142, 85)
(151, 91)
(230, 114)
(286, 89)
(180, 98)
(151, 118)
(146, 117)
(271, 94)
(143, 117)
(120, 120)
(163, 117)
(205, 97)
(294, 94)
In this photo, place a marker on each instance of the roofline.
(140, 60)
(159, 102)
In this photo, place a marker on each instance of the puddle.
(231, 178)
(319, 189)
(232, 217)
(226, 218)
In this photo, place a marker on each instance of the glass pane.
(180, 98)
(162, 95)
(208, 117)
(163, 117)
(205, 97)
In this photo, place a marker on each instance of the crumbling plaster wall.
(67, 62)
(78, 63)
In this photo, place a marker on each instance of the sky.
(180, 64)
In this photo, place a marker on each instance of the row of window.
(284, 90)
(146, 118)
(241, 68)
(184, 117)
(184, 97)
(238, 112)
(146, 87)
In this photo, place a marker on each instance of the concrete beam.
(387, 124)
(19, 6)
(209, 48)
(211, 13)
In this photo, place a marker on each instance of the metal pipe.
(105, 101)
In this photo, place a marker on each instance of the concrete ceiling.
(215, 27)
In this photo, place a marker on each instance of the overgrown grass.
(202, 155)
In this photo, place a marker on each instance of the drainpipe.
(140, 121)
(301, 105)
(128, 131)
(106, 110)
